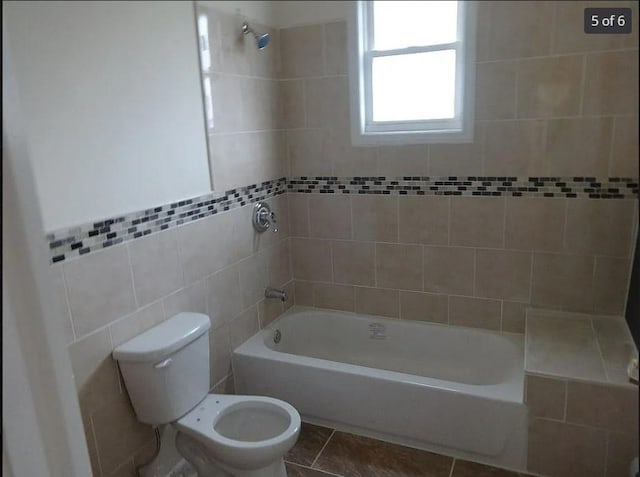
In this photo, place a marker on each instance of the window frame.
(365, 131)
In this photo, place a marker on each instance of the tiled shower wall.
(217, 265)
(550, 102)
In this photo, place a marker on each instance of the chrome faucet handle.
(263, 217)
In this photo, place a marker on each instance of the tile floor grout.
(315, 470)
(453, 464)
(323, 447)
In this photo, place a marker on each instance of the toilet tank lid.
(163, 339)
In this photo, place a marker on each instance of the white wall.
(112, 103)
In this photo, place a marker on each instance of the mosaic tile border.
(72, 242)
(564, 187)
(69, 243)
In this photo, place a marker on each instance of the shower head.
(261, 40)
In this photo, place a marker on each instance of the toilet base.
(206, 466)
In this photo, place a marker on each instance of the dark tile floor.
(323, 452)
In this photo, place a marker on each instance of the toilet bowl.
(166, 373)
(245, 436)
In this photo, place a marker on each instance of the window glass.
(399, 24)
(414, 87)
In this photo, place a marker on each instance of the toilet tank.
(166, 368)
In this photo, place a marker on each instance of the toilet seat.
(262, 425)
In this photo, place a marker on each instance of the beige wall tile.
(616, 346)
(562, 281)
(503, 274)
(458, 159)
(291, 98)
(229, 106)
(243, 326)
(621, 450)
(546, 397)
(311, 259)
(335, 48)
(562, 346)
(564, 450)
(477, 221)
(578, 147)
(303, 293)
(156, 266)
(219, 354)
(611, 407)
(549, 87)
(348, 160)
(535, 223)
(569, 35)
(354, 263)
(253, 275)
(330, 216)
(60, 305)
(496, 90)
(202, 246)
(326, 102)
(134, 324)
(335, 297)
(301, 51)
(513, 316)
(520, 29)
(268, 310)
(424, 219)
(483, 30)
(118, 433)
(514, 148)
(611, 83)
(624, 156)
(307, 155)
(611, 283)
(599, 226)
(234, 49)
(449, 270)
(377, 301)
(94, 371)
(401, 161)
(474, 312)
(424, 307)
(298, 215)
(290, 290)
(375, 218)
(279, 263)
(192, 298)
(224, 297)
(399, 266)
(100, 288)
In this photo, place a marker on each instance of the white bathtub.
(453, 390)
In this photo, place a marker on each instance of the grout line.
(564, 228)
(518, 63)
(453, 464)
(556, 55)
(68, 303)
(582, 83)
(611, 145)
(333, 431)
(602, 361)
(325, 472)
(566, 400)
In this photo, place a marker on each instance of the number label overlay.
(607, 20)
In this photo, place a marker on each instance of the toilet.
(166, 373)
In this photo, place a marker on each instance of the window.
(412, 71)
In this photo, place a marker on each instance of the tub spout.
(275, 293)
